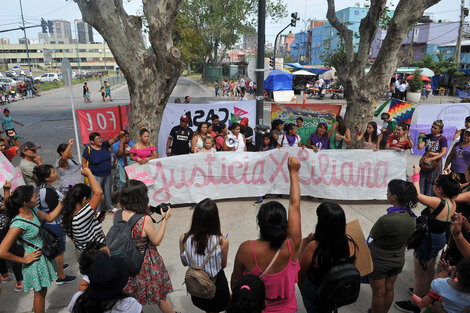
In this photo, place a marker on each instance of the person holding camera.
(152, 284)
(199, 242)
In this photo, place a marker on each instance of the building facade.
(448, 50)
(62, 32)
(85, 32)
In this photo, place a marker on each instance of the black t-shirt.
(248, 133)
(180, 140)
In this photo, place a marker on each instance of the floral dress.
(41, 273)
(152, 284)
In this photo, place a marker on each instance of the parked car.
(16, 67)
(9, 81)
(48, 77)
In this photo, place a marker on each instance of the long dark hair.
(374, 136)
(134, 196)
(198, 130)
(449, 184)
(330, 234)
(341, 125)
(73, 197)
(41, 173)
(17, 199)
(272, 222)
(205, 222)
(248, 295)
(406, 193)
(86, 303)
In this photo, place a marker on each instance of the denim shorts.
(430, 246)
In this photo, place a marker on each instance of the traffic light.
(50, 25)
(271, 62)
(294, 19)
(44, 26)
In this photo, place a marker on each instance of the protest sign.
(106, 121)
(449, 132)
(10, 173)
(139, 172)
(330, 174)
(312, 114)
(451, 114)
(363, 261)
(229, 112)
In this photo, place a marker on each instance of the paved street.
(48, 122)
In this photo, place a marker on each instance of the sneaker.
(5, 279)
(258, 202)
(66, 266)
(67, 280)
(407, 306)
(18, 287)
(410, 291)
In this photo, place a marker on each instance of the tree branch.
(342, 29)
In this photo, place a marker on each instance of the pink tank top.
(280, 287)
(143, 153)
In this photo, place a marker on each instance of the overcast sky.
(33, 10)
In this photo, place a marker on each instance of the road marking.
(116, 90)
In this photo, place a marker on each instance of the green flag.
(380, 109)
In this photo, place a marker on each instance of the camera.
(163, 206)
(453, 218)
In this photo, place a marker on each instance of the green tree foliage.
(416, 83)
(187, 39)
(221, 23)
(441, 65)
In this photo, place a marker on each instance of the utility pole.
(260, 62)
(76, 47)
(458, 46)
(26, 41)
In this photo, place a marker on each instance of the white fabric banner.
(452, 114)
(227, 111)
(331, 174)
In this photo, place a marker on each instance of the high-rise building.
(85, 32)
(43, 38)
(4, 41)
(250, 41)
(62, 31)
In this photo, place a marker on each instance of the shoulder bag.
(429, 167)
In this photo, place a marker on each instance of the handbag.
(51, 246)
(429, 167)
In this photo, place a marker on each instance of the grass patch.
(59, 84)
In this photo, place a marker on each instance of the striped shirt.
(214, 265)
(86, 228)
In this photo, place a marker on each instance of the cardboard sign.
(363, 260)
(10, 173)
(139, 172)
(106, 121)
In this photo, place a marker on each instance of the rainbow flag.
(401, 111)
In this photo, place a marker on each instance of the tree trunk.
(151, 75)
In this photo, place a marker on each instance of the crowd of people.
(267, 269)
(235, 89)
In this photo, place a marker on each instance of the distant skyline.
(34, 10)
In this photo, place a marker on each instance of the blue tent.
(314, 70)
(278, 80)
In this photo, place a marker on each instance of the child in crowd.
(268, 143)
(290, 137)
(94, 251)
(387, 119)
(208, 145)
(248, 296)
(7, 121)
(454, 294)
(103, 94)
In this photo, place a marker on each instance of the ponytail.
(21, 195)
(73, 197)
(248, 296)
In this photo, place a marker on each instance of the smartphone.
(101, 215)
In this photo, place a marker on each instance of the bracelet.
(415, 177)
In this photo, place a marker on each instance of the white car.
(48, 77)
(8, 80)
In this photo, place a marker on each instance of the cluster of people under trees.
(236, 89)
(266, 270)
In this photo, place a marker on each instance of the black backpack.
(340, 286)
(120, 242)
(51, 246)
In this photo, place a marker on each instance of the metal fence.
(114, 80)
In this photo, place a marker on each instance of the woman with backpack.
(204, 241)
(322, 250)
(438, 211)
(390, 235)
(273, 257)
(78, 219)
(38, 272)
(152, 284)
(48, 199)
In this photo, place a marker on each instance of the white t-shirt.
(285, 143)
(128, 305)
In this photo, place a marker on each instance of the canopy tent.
(424, 78)
(278, 80)
(314, 70)
(303, 73)
(328, 75)
(410, 70)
